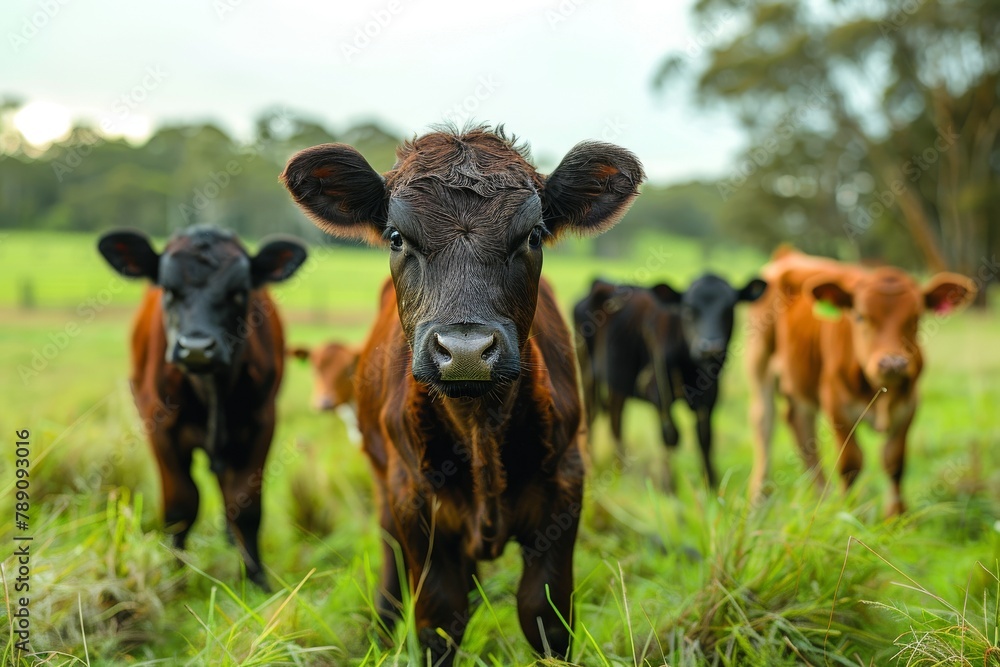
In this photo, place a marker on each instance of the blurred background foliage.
(873, 133)
(873, 126)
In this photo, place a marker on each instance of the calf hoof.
(178, 531)
(442, 649)
(388, 617)
(894, 509)
(260, 579)
(667, 480)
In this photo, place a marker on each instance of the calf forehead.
(710, 291)
(478, 160)
(889, 294)
(440, 217)
(471, 184)
(196, 257)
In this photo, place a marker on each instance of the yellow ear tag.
(825, 310)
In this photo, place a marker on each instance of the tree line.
(873, 125)
(873, 134)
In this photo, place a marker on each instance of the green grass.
(696, 579)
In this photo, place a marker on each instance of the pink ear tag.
(944, 307)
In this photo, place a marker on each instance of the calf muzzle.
(464, 359)
(196, 353)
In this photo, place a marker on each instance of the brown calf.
(838, 364)
(467, 390)
(333, 366)
(207, 360)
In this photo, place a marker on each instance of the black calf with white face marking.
(206, 276)
(210, 345)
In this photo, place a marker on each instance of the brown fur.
(333, 366)
(838, 366)
(167, 400)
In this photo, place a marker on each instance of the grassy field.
(695, 579)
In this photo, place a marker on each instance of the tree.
(867, 117)
(184, 174)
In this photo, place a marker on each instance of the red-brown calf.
(467, 390)
(333, 366)
(838, 364)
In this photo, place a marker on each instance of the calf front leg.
(548, 575)
(801, 418)
(241, 482)
(440, 578)
(180, 494)
(893, 460)
(849, 457)
(241, 493)
(389, 597)
(704, 416)
(616, 405)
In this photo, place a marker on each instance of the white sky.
(560, 71)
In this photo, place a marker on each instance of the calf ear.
(276, 260)
(752, 291)
(339, 191)
(299, 352)
(130, 254)
(832, 292)
(666, 294)
(591, 189)
(946, 291)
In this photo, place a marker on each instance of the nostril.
(440, 349)
(196, 349)
(491, 349)
(893, 364)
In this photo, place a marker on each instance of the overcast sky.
(554, 72)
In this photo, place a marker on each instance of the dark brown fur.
(462, 465)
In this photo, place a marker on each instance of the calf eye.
(238, 297)
(395, 241)
(169, 295)
(535, 238)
